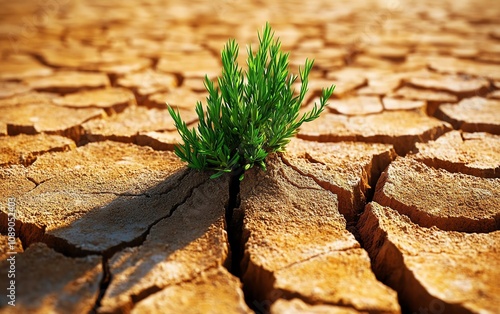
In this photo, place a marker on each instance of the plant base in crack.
(251, 113)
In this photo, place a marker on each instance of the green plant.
(250, 114)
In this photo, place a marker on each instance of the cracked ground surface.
(388, 203)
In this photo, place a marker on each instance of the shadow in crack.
(177, 248)
(147, 239)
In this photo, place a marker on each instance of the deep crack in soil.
(235, 216)
(104, 284)
(234, 224)
(351, 223)
(445, 69)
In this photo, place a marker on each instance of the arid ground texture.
(388, 203)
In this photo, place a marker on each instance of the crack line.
(137, 242)
(317, 255)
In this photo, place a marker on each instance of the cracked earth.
(388, 203)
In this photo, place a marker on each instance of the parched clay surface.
(387, 203)
(470, 153)
(448, 270)
(348, 169)
(436, 197)
(191, 242)
(48, 281)
(313, 244)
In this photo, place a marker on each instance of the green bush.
(250, 114)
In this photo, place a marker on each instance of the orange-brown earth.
(388, 203)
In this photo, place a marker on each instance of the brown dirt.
(388, 203)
